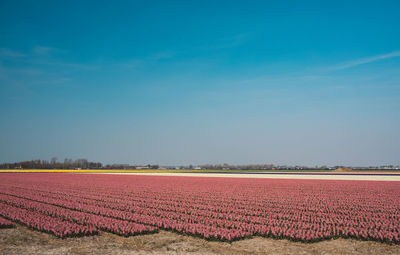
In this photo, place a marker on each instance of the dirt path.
(22, 240)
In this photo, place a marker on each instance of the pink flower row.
(218, 208)
(294, 226)
(120, 227)
(40, 222)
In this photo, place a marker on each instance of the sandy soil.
(366, 177)
(21, 240)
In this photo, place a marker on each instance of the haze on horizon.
(177, 82)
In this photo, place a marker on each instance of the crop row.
(119, 227)
(255, 213)
(215, 208)
(45, 223)
(164, 220)
(296, 226)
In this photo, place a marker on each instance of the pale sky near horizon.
(179, 82)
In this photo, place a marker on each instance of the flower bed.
(225, 209)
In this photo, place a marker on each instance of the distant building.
(142, 167)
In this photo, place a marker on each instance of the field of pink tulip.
(226, 209)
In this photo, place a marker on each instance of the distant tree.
(53, 162)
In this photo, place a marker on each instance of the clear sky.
(179, 82)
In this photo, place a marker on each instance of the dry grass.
(22, 240)
(343, 169)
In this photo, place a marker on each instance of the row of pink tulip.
(167, 221)
(251, 210)
(225, 208)
(41, 222)
(293, 218)
(120, 227)
(273, 230)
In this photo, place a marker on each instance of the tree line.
(68, 163)
(53, 164)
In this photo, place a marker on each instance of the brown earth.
(21, 240)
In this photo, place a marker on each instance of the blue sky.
(179, 82)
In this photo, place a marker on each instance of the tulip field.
(225, 209)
